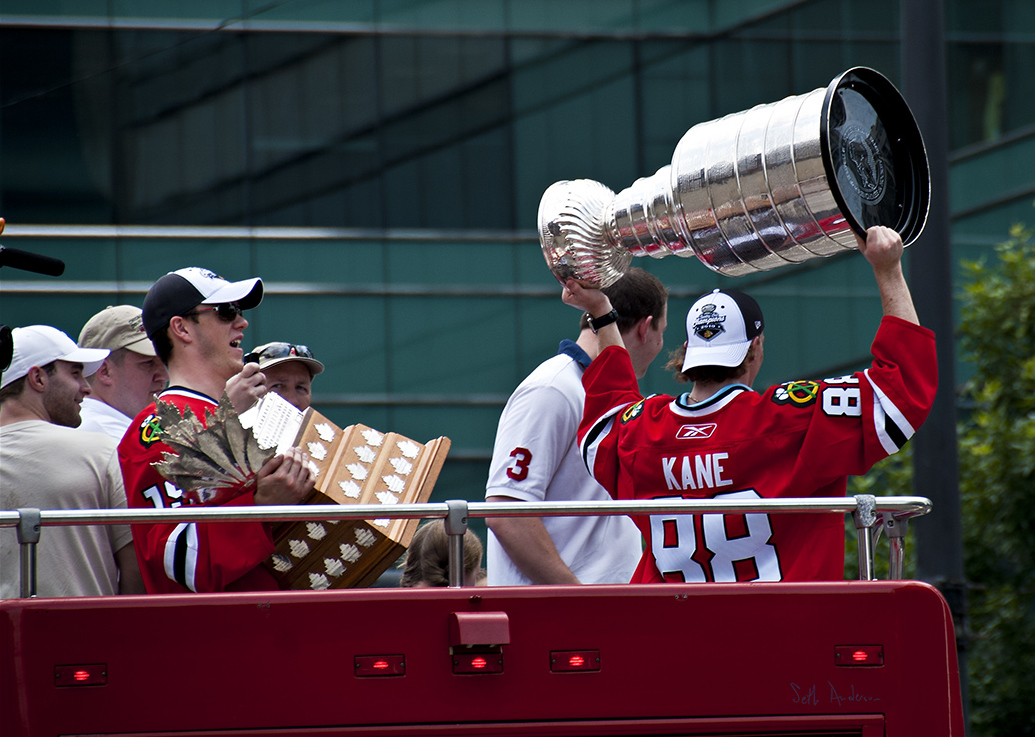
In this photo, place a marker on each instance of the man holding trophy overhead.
(809, 176)
(724, 440)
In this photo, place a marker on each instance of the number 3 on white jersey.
(677, 556)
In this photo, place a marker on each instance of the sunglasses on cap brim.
(271, 351)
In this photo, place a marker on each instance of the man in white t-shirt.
(536, 456)
(128, 379)
(45, 463)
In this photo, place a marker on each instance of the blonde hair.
(426, 562)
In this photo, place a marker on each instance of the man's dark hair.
(638, 294)
(163, 343)
(15, 388)
(163, 346)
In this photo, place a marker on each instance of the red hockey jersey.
(180, 557)
(798, 439)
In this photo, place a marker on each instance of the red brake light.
(852, 655)
(568, 661)
(481, 661)
(93, 674)
(380, 665)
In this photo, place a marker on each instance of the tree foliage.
(997, 485)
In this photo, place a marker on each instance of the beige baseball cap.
(117, 327)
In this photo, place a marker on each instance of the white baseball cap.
(720, 327)
(180, 291)
(38, 345)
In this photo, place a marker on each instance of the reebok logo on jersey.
(695, 432)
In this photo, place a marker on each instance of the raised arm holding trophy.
(834, 170)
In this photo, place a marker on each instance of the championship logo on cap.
(709, 323)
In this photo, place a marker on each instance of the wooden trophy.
(353, 465)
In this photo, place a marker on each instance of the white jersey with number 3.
(536, 458)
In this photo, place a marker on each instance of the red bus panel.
(864, 658)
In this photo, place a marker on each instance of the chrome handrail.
(869, 513)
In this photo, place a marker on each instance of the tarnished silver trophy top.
(778, 184)
(573, 223)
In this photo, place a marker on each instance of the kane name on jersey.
(706, 471)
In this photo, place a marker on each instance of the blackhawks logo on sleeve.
(150, 431)
(797, 393)
(633, 412)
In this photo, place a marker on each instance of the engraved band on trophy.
(352, 465)
(778, 184)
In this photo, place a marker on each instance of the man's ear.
(643, 326)
(180, 330)
(37, 378)
(103, 374)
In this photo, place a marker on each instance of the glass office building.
(380, 163)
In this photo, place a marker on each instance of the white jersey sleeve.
(536, 432)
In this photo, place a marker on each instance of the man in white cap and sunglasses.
(194, 319)
(723, 440)
(45, 463)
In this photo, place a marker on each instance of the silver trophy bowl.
(778, 184)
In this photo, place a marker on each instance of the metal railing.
(871, 515)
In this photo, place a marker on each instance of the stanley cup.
(778, 184)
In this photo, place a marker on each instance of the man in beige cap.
(130, 376)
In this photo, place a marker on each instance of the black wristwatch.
(595, 323)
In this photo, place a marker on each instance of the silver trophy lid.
(874, 154)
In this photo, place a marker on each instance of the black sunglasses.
(278, 350)
(227, 312)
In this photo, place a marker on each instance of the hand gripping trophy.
(778, 184)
